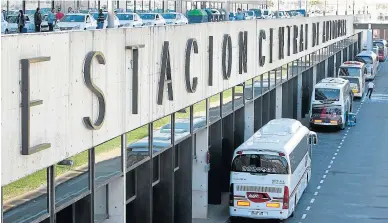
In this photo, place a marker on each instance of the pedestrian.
(100, 20)
(59, 14)
(240, 15)
(37, 20)
(70, 10)
(371, 87)
(51, 19)
(21, 21)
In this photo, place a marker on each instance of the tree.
(315, 2)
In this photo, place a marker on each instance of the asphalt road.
(350, 171)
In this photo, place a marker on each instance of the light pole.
(337, 9)
(324, 11)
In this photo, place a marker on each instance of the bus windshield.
(350, 71)
(367, 59)
(260, 163)
(327, 94)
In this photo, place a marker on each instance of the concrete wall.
(66, 99)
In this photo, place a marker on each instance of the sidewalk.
(217, 213)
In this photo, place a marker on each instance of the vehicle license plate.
(259, 213)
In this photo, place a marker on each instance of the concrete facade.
(66, 97)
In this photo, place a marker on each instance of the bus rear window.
(350, 71)
(260, 163)
(327, 94)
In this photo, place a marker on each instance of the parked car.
(128, 19)
(4, 25)
(76, 21)
(116, 22)
(13, 24)
(267, 14)
(153, 19)
(258, 13)
(44, 26)
(175, 18)
(249, 15)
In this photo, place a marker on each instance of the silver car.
(175, 18)
(128, 19)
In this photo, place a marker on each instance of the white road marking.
(321, 182)
(329, 166)
(304, 216)
(333, 158)
(327, 171)
(324, 176)
(344, 137)
(340, 143)
(339, 147)
(319, 187)
(335, 154)
(331, 162)
(316, 193)
(308, 208)
(348, 128)
(312, 200)
(346, 134)
(342, 140)
(337, 150)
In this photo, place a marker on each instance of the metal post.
(277, 13)
(337, 9)
(111, 14)
(353, 6)
(324, 11)
(307, 15)
(24, 6)
(346, 7)
(92, 174)
(51, 192)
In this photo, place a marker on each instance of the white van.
(331, 101)
(371, 61)
(271, 170)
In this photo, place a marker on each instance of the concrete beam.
(373, 26)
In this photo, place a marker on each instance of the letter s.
(93, 88)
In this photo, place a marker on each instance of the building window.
(138, 149)
(156, 170)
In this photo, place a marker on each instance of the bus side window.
(365, 71)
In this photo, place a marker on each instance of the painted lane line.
(327, 171)
(316, 193)
(319, 187)
(329, 166)
(346, 134)
(308, 208)
(324, 176)
(342, 140)
(344, 137)
(331, 162)
(341, 143)
(321, 182)
(339, 147)
(304, 216)
(337, 150)
(312, 201)
(335, 154)
(348, 128)
(333, 158)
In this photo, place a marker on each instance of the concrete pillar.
(258, 111)
(228, 8)
(315, 70)
(327, 67)
(249, 113)
(369, 40)
(178, 6)
(279, 101)
(111, 14)
(299, 98)
(215, 150)
(200, 175)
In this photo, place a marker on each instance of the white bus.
(355, 72)
(271, 170)
(331, 101)
(371, 62)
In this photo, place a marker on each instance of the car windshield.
(12, 19)
(257, 12)
(73, 18)
(265, 12)
(350, 71)
(260, 163)
(95, 15)
(367, 59)
(125, 16)
(148, 16)
(169, 16)
(327, 94)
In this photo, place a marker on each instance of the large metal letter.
(190, 43)
(165, 74)
(242, 52)
(281, 43)
(270, 45)
(324, 33)
(135, 76)
(26, 104)
(301, 39)
(288, 40)
(295, 42)
(210, 80)
(95, 90)
(306, 38)
(262, 37)
(226, 46)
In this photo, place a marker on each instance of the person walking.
(371, 87)
(100, 20)
(37, 20)
(21, 21)
(240, 15)
(51, 19)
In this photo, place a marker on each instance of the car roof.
(366, 53)
(331, 82)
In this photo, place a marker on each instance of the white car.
(250, 15)
(175, 18)
(116, 22)
(128, 19)
(153, 19)
(4, 25)
(76, 21)
(13, 24)
(267, 14)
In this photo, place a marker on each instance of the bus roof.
(332, 82)
(366, 53)
(273, 137)
(352, 64)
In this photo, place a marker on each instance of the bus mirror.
(315, 140)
